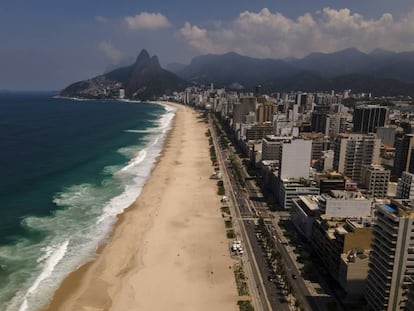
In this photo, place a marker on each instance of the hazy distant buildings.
(265, 111)
(121, 93)
(242, 108)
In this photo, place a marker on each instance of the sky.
(48, 44)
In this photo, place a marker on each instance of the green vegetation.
(220, 186)
(225, 210)
(230, 234)
(275, 257)
(245, 305)
(241, 283)
(235, 167)
(229, 224)
(213, 156)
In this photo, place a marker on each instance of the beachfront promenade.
(169, 250)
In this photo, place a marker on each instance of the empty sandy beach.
(169, 249)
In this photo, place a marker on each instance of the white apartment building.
(344, 204)
(296, 159)
(354, 151)
(392, 258)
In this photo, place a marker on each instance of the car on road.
(294, 276)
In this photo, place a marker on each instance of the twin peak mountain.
(145, 79)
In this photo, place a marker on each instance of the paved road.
(257, 294)
(248, 204)
(264, 294)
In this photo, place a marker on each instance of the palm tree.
(298, 304)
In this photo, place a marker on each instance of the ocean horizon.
(69, 167)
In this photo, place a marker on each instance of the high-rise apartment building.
(296, 159)
(387, 135)
(242, 108)
(319, 116)
(335, 124)
(375, 178)
(391, 264)
(404, 155)
(354, 151)
(367, 118)
(405, 188)
(272, 147)
(265, 111)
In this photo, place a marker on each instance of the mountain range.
(384, 73)
(380, 72)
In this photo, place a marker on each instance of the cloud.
(197, 37)
(101, 19)
(268, 34)
(110, 51)
(146, 20)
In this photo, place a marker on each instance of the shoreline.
(75, 277)
(112, 281)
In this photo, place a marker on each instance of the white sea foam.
(50, 265)
(142, 131)
(87, 214)
(134, 162)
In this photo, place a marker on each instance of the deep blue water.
(66, 167)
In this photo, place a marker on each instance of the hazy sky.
(47, 44)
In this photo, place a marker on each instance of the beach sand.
(169, 250)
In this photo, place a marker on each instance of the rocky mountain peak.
(143, 57)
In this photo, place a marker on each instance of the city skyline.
(50, 45)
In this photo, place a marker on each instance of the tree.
(298, 304)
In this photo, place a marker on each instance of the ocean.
(67, 168)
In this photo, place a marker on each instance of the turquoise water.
(67, 169)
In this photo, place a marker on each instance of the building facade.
(405, 187)
(375, 178)
(391, 264)
(404, 155)
(366, 119)
(354, 151)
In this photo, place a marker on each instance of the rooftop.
(399, 208)
(345, 195)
